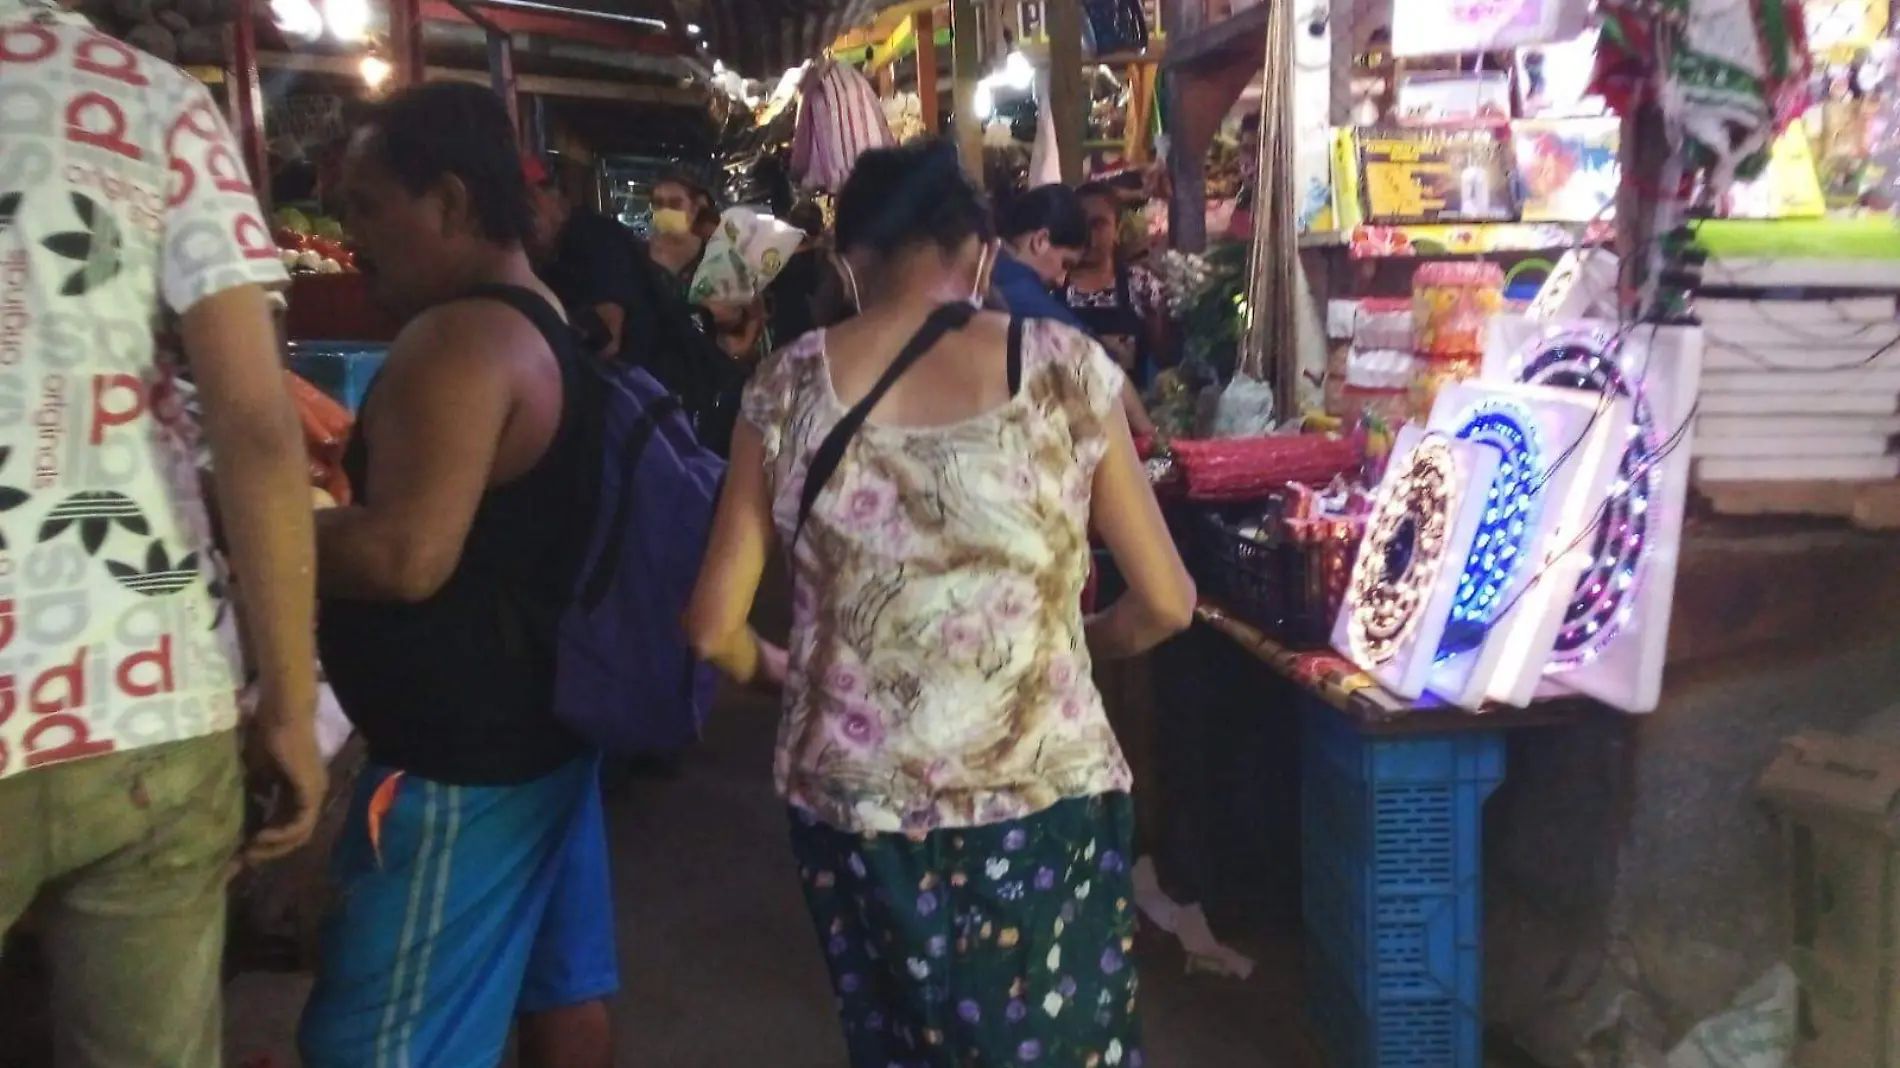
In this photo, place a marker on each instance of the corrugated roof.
(762, 38)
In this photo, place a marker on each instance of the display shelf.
(1342, 686)
(1377, 242)
(1874, 237)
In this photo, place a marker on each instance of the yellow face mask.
(671, 221)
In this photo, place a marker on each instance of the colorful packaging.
(1452, 305)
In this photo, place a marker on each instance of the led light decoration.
(1498, 553)
(1557, 452)
(1425, 516)
(1612, 641)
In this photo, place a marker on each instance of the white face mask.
(851, 280)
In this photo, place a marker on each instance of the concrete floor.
(720, 967)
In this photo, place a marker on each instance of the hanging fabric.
(1045, 163)
(839, 119)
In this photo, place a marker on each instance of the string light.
(1501, 547)
(1589, 359)
(1403, 551)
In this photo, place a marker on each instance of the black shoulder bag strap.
(1015, 355)
(824, 463)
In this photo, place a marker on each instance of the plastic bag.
(1757, 1030)
(743, 256)
(1245, 409)
(326, 433)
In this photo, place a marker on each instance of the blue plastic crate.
(343, 369)
(1392, 830)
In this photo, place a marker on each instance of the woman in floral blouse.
(958, 804)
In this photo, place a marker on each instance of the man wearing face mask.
(684, 217)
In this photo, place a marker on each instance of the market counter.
(1628, 877)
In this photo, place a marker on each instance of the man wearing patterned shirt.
(123, 201)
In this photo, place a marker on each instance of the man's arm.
(433, 430)
(219, 290)
(263, 490)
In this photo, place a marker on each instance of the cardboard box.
(1432, 176)
(1837, 802)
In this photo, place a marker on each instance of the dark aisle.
(721, 969)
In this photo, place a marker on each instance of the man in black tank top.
(474, 862)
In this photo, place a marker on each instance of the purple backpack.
(625, 678)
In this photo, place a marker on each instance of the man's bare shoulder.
(466, 338)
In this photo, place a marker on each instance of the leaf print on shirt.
(160, 576)
(99, 248)
(9, 209)
(10, 498)
(95, 512)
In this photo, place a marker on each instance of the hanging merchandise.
(1439, 27)
(1614, 635)
(839, 119)
(1731, 75)
(1425, 518)
(1045, 163)
(1115, 25)
(1557, 455)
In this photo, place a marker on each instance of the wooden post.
(926, 56)
(247, 101)
(501, 75)
(405, 42)
(966, 67)
(1067, 95)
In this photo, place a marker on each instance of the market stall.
(1565, 377)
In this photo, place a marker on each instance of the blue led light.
(1511, 430)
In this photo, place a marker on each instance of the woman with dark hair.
(959, 806)
(1122, 305)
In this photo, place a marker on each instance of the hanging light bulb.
(375, 71)
(348, 20)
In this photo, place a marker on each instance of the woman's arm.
(1160, 598)
(742, 535)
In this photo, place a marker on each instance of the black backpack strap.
(1015, 355)
(830, 451)
(1124, 278)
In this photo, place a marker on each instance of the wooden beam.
(966, 68)
(538, 84)
(927, 72)
(613, 33)
(1068, 97)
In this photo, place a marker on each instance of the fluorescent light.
(298, 19)
(348, 19)
(983, 102)
(556, 9)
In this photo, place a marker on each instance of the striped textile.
(839, 119)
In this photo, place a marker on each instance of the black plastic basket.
(1264, 578)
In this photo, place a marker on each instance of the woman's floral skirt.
(981, 947)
